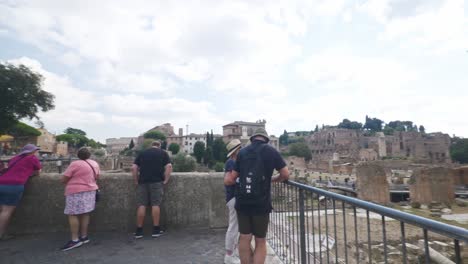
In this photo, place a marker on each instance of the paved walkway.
(178, 246)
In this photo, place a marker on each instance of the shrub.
(415, 205)
(219, 167)
(183, 163)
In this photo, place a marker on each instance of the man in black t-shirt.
(254, 219)
(151, 171)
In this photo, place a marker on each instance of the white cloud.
(148, 62)
(440, 27)
(71, 59)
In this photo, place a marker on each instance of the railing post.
(302, 227)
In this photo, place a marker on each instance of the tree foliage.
(131, 145)
(373, 124)
(21, 95)
(346, 123)
(183, 163)
(284, 138)
(208, 157)
(174, 148)
(422, 129)
(21, 129)
(75, 131)
(77, 138)
(459, 150)
(157, 135)
(199, 151)
(219, 167)
(73, 140)
(300, 149)
(219, 150)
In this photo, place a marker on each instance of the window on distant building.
(186, 143)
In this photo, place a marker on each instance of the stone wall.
(460, 175)
(432, 185)
(371, 183)
(191, 200)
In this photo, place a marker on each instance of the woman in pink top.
(12, 182)
(80, 196)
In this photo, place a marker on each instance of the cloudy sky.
(118, 68)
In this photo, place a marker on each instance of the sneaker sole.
(158, 235)
(75, 246)
(85, 241)
(138, 237)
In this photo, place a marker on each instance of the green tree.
(316, 128)
(21, 95)
(75, 131)
(199, 151)
(157, 135)
(208, 157)
(388, 131)
(219, 150)
(131, 145)
(422, 129)
(346, 123)
(99, 153)
(183, 163)
(20, 129)
(174, 148)
(300, 149)
(284, 138)
(459, 150)
(73, 140)
(373, 124)
(219, 167)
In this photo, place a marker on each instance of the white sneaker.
(231, 259)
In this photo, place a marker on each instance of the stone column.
(372, 184)
(432, 185)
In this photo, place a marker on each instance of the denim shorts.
(11, 194)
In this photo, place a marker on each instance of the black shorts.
(253, 224)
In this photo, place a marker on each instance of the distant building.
(190, 140)
(116, 145)
(357, 145)
(61, 149)
(46, 141)
(244, 130)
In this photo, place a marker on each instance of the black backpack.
(251, 187)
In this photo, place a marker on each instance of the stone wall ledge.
(191, 200)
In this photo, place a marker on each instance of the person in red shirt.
(12, 182)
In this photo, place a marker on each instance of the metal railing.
(311, 225)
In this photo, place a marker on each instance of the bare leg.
(260, 251)
(141, 211)
(155, 211)
(84, 222)
(6, 211)
(244, 248)
(74, 226)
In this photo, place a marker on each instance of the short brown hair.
(156, 143)
(83, 153)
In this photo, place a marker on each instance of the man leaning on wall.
(151, 171)
(253, 174)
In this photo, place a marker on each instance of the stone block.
(372, 184)
(432, 185)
